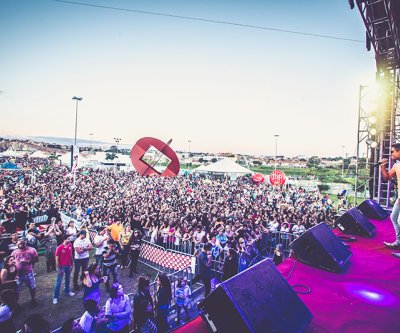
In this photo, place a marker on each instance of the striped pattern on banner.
(171, 260)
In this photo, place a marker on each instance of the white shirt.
(86, 322)
(100, 249)
(85, 243)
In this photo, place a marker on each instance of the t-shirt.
(100, 249)
(84, 243)
(24, 258)
(64, 254)
(115, 230)
(88, 323)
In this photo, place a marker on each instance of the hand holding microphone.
(383, 162)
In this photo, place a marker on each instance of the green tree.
(313, 162)
(111, 156)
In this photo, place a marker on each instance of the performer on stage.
(394, 171)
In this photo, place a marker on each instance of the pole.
(76, 120)
(343, 162)
(358, 147)
(77, 99)
(276, 149)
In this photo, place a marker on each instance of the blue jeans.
(395, 219)
(67, 271)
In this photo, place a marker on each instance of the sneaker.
(396, 254)
(70, 294)
(55, 300)
(393, 245)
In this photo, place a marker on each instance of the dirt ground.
(67, 307)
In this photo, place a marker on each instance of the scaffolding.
(382, 22)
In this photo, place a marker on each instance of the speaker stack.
(257, 300)
(372, 210)
(321, 248)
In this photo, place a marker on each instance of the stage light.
(374, 144)
(372, 120)
(372, 131)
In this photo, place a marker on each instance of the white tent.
(12, 153)
(225, 167)
(38, 154)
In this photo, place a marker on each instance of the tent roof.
(224, 166)
(12, 153)
(38, 154)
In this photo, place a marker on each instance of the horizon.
(215, 74)
(87, 144)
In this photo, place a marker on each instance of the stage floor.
(364, 297)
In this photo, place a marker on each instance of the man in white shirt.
(198, 236)
(100, 242)
(92, 320)
(82, 246)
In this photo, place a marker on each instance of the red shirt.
(24, 259)
(64, 254)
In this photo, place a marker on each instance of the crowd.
(184, 212)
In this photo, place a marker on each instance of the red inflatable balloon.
(277, 177)
(258, 178)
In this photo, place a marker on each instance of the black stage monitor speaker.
(320, 247)
(355, 223)
(257, 300)
(372, 210)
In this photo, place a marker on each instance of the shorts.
(29, 280)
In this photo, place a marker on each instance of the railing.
(183, 273)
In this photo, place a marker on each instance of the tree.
(313, 162)
(54, 156)
(214, 160)
(111, 156)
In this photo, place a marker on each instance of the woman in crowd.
(163, 300)
(92, 282)
(9, 275)
(118, 310)
(143, 309)
(72, 231)
(182, 294)
(123, 240)
(279, 255)
(51, 245)
(230, 266)
(7, 307)
(135, 244)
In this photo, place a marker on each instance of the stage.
(364, 297)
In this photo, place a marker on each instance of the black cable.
(210, 21)
(307, 288)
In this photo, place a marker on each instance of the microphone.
(376, 165)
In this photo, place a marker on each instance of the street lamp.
(75, 152)
(117, 140)
(343, 161)
(91, 141)
(77, 99)
(276, 148)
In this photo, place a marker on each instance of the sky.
(224, 87)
